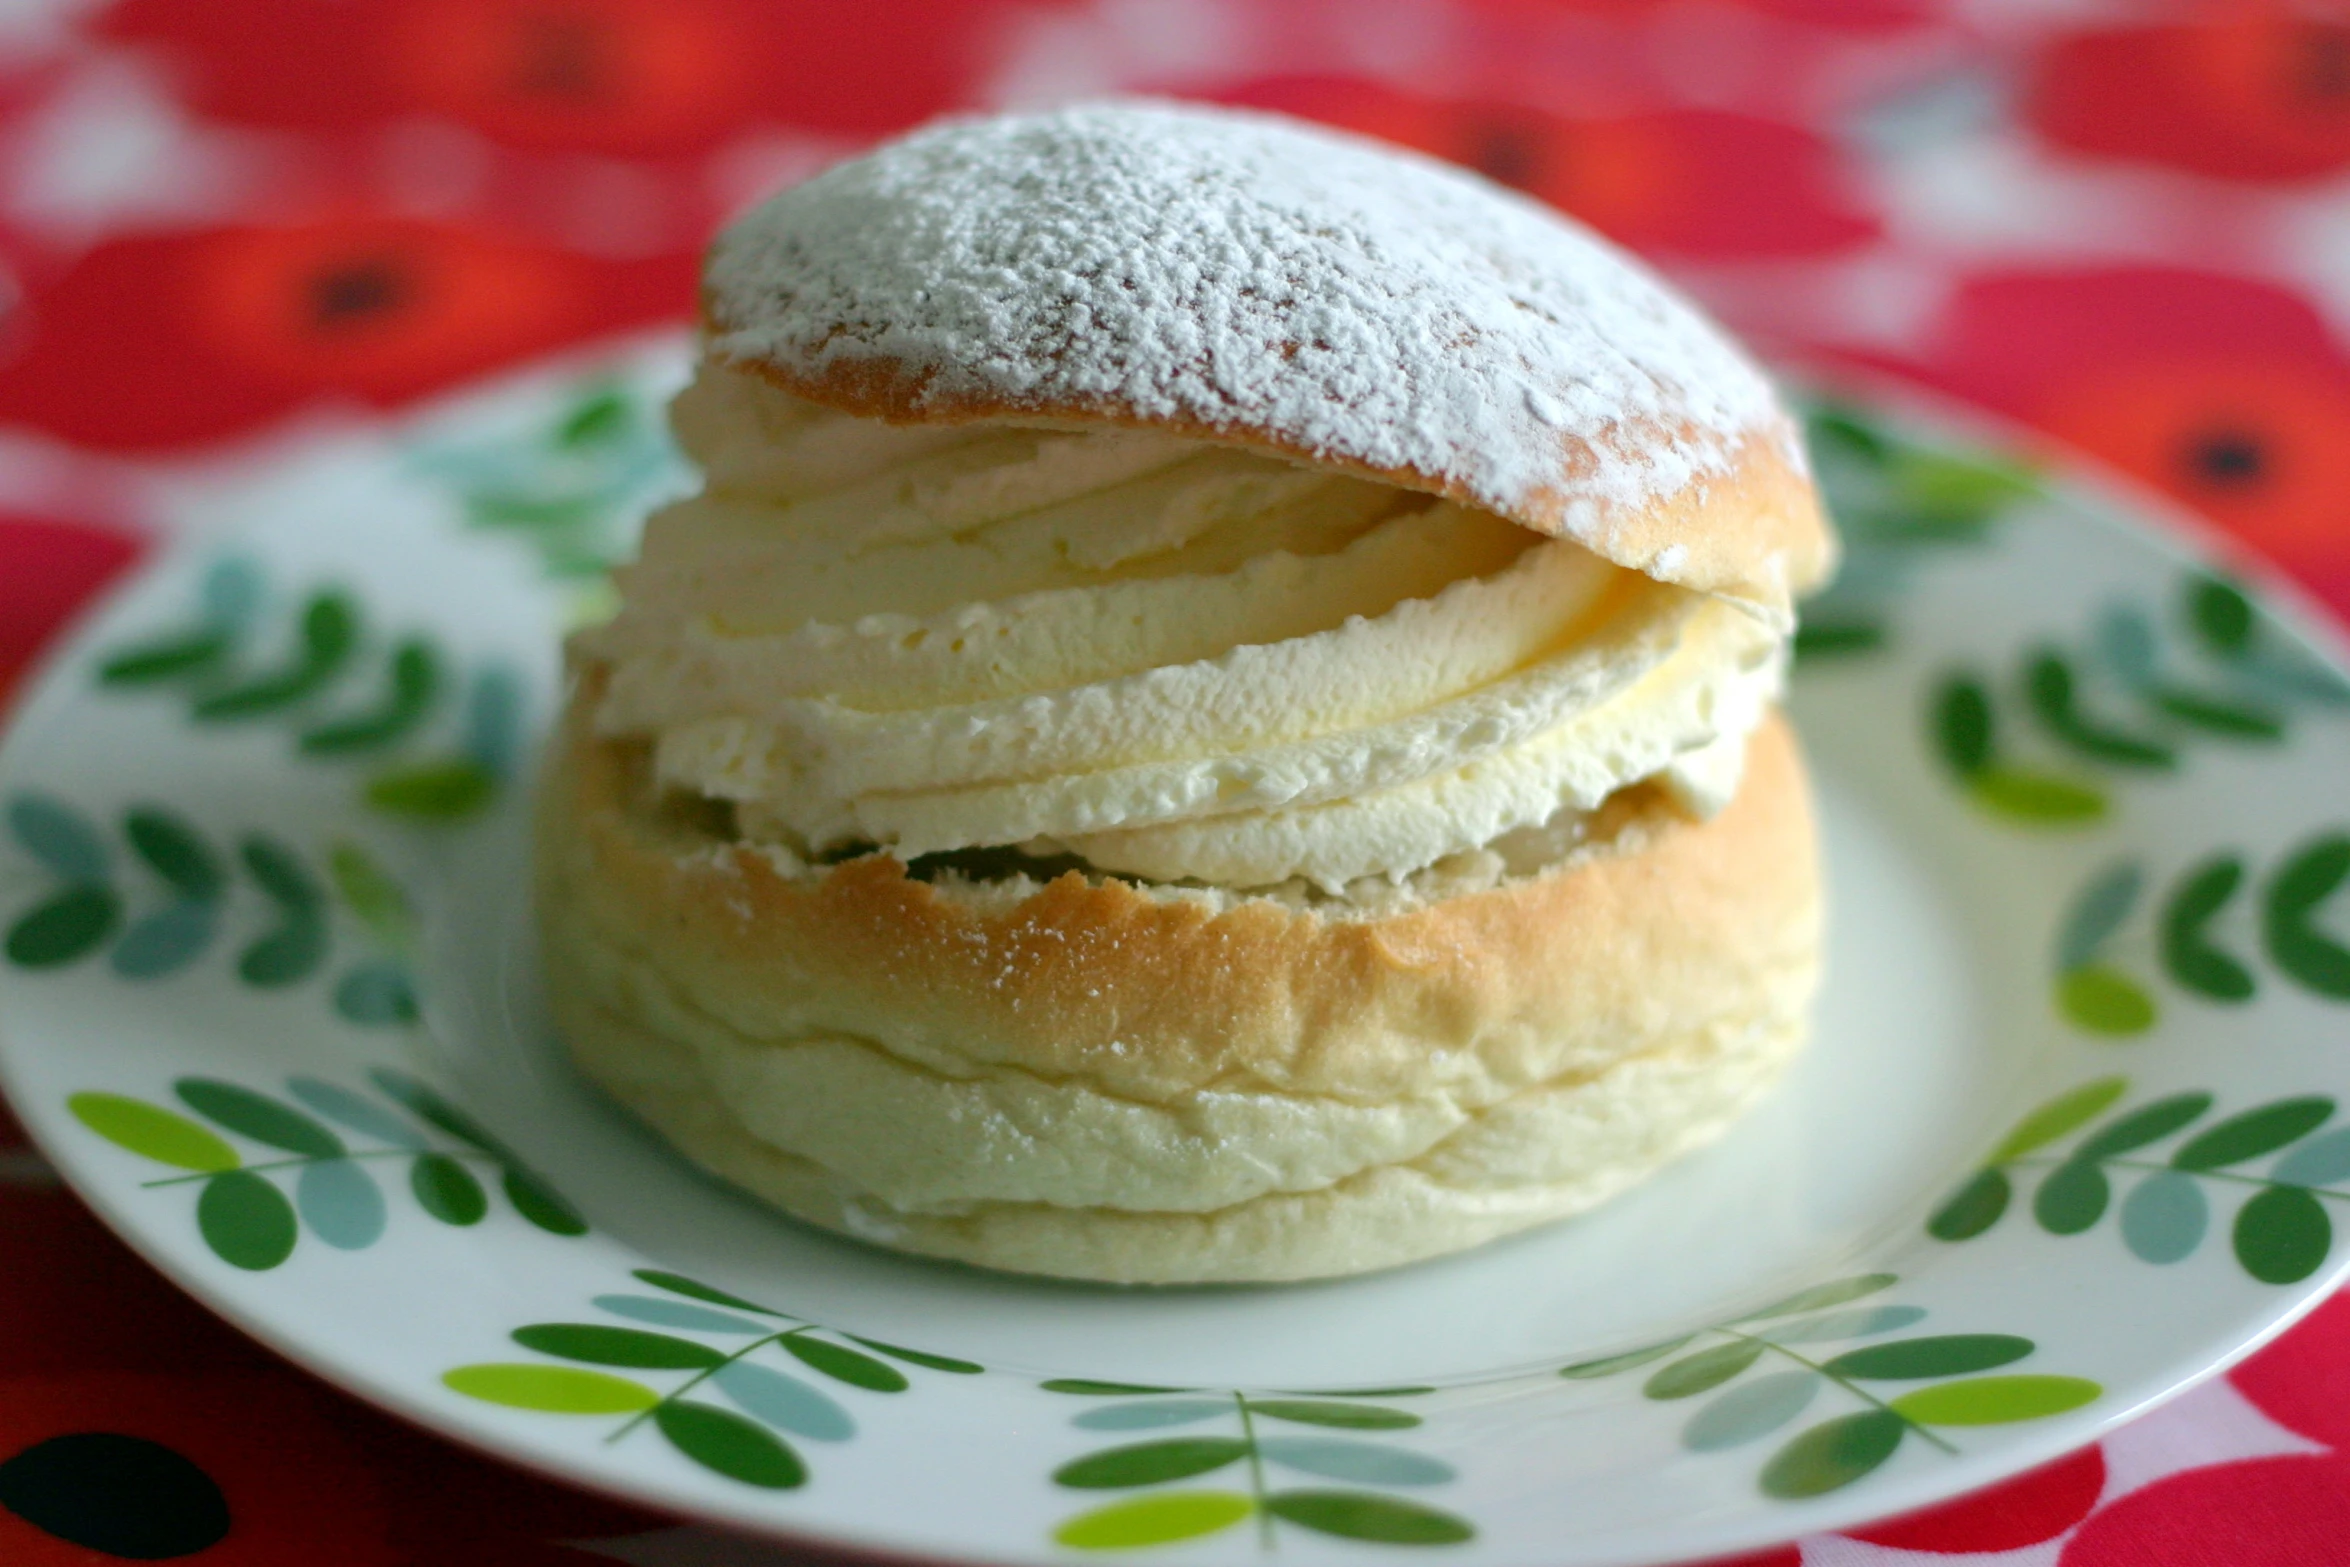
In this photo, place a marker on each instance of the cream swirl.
(1178, 660)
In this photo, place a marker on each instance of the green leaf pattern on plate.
(243, 1214)
(345, 695)
(2282, 1232)
(189, 882)
(1849, 1445)
(1371, 1469)
(2191, 942)
(2118, 704)
(747, 1443)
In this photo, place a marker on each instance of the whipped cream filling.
(1176, 660)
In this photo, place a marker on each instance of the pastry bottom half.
(1094, 1079)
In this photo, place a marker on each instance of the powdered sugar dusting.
(1253, 275)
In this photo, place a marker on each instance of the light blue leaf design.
(2165, 1216)
(341, 1203)
(232, 591)
(376, 995)
(1146, 1417)
(355, 1111)
(493, 720)
(784, 1402)
(1859, 1323)
(2321, 1161)
(1751, 1410)
(679, 1314)
(2127, 645)
(1364, 1463)
(56, 835)
(2097, 914)
(166, 941)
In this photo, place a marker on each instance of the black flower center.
(2229, 459)
(355, 291)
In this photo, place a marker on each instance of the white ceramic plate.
(2067, 1142)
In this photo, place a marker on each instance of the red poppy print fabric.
(2123, 231)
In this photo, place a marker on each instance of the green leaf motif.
(1963, 726)
(58, 836)
(540, 1204)
(2149, 1123)
(246, 1221)
(341, 1204)
(844, 1364)
(1150, 1463)
(65, 929)
(723, 1442)
(1162, 1519)
(2188, 955)
(599, 416)
(167, 658)
(257, 1116)
(377, 995)
(2247, 1135)
(2321, 1161)
(166, 941)
(659, 1313)
(1703, 1371)
(2050, 682)
(2072, 1198)
(1361, 1515)
(2231, 720)
(414, 681)
(355, 1112)
(1751, 1411)
(694, 1289)
(923, 1358)
(1085, 1387)
(1864, 1322)
(152, 1132)
(1973, 1208)
(329, 632)
(2221, 614)
(784, 1402)
(1325, 1412)
(173, 851)
(2060, 1117)
(427, 1104)
(1945, 1355)
(2282, 1235)
(1152, 1416)
(2307, 956)
(1359, 1463)
(597, 1344)
(443, 791)
(2036, 799)
(1833, 1455)
(1995, 1401)
(553, 1390)
(1820, 1296)
(2105, 1001)
(370, 893)
(2102, 909)
(447, 1190)
(2165, 1217)
(1629, 1360)
(292, 951)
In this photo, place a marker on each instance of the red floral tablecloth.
(2125, 226)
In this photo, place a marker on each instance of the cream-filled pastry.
(1214, 718)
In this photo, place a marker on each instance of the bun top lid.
(1263, 283)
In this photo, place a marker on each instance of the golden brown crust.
(1401, 1032)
